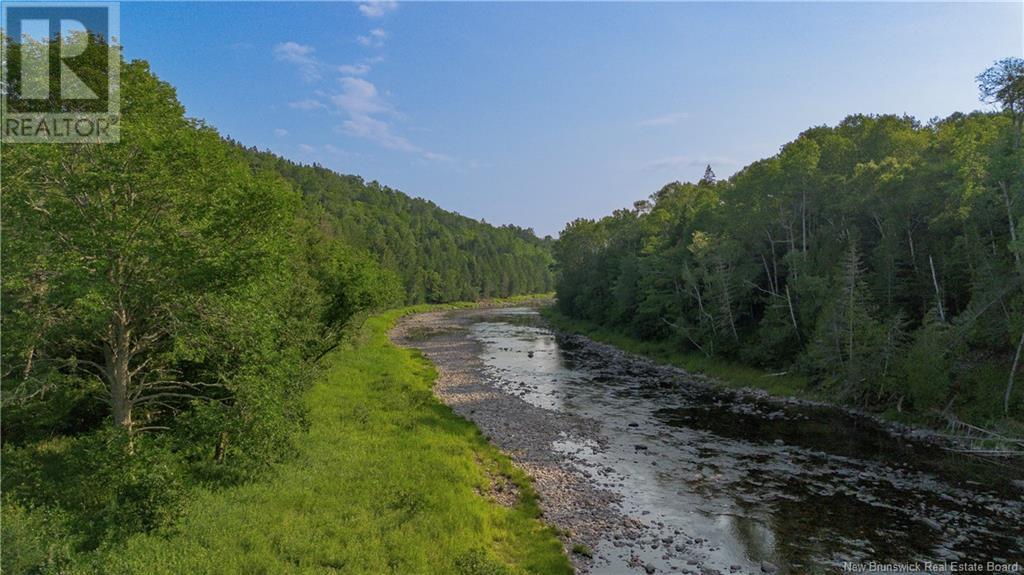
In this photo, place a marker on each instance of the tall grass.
(389, 480)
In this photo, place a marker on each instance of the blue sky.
(538, 113)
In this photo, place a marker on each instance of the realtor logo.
(61, 73)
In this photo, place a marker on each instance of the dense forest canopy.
(880, 256)
(166, 302)
(439, 255)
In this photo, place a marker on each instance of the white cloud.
(374, 39)
(377, 131)
(336, 151)
(434, 157)
(665, 120)
(280, 132)
(366, 112)
(307, 104)
(300, 55)
(354, 69)
(359, 97)
(311, 68)
(377, 8)
(688, 162)
(326, 151)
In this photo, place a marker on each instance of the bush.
(34, 540)
(105, 485)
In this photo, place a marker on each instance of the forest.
(167, 302)
(193, 358)
(439, 256)
(880, 258)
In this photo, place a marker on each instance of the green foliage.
(927, 366)
(105, 484)
(439, 256)
(849, 347)
(35, 541)
(387, 479)
(879, 257)
(168, 301)
(579, 548)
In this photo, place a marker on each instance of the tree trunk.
(727, 299)
(1009, 217)
(222, 447)
(913, 256)
(1013, 371)
(792, 315)
(938, 294)
(118, 354)
(803, 220)
(775, 265)
(771, 281)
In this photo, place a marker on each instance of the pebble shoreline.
(582, 500)
(584, 513)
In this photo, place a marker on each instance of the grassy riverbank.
(727, 373)
(388, 480)
(980, 409)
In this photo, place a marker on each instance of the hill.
(440, 255)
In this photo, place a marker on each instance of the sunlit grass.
(388, 480)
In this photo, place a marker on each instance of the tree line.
(166, 301)
(881, 257)
(438, 255)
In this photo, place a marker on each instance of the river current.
(753, 484)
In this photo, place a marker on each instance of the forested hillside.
(439, 255)
(880, 257)
(166, 301)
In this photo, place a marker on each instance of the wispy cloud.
(280, 132)
(674, 162)
(368, 114)
(369, 117)
(377, 8)
(354, 69)
(377, 131)
(374, 39)
(664, 120)
(307, 104)
(326, 151)
(300, 55)
(434, 157)
(312, 69)
(359, 97)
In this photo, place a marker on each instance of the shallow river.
(752, 484)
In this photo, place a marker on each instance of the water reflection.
(737, 481)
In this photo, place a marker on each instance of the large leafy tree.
(128, 262)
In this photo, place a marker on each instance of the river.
(714, 480)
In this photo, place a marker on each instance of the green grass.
(727, 373)
(388, 480)
(581, 549)
(979, 402)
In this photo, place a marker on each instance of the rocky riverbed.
(649, 469)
